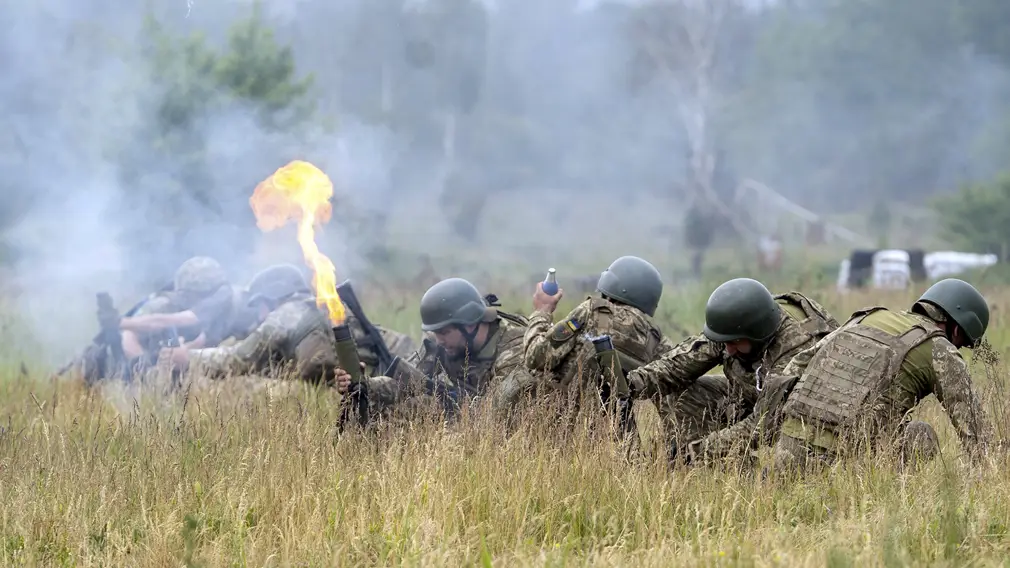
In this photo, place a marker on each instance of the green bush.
(977, 217)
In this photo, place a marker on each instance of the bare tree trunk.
(685, 56)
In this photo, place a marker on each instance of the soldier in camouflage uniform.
(294, 335)
(188, 311)
(196, 310)
(752, 335)
(630, 289)
(857, 385)
(471, 346)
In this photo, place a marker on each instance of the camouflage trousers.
(916, 442)
(706, 406)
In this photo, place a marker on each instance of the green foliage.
(254, 69)
(978, 217)
(881, 221)
(257, 69)
(869, 77)
(194, 83)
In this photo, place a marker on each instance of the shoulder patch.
(565, 330)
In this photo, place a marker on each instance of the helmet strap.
(470, 336)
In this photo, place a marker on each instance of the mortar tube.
(347, 352)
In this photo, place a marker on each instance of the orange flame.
(301, 192)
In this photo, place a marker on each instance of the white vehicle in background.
(892, 270)
(843, 275)
(950, 263)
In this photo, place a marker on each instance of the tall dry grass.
(249, 472)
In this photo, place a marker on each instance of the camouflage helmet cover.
(277, 282)
(741, 308)
(452, 301)
(963, 303)
(200, 275)
(632, 281)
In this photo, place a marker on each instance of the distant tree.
(448, 45)
(978, 217)
(881, 221)
(682, 46)
(848, 100)
(172, 180)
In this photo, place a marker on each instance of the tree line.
(836, 104)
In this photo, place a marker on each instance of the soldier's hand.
(343, 379)
(178, 356)
(542, 302)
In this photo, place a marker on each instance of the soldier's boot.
(917, 444)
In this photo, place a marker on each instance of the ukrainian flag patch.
(565, 330)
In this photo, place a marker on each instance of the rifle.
(405, 373)
(109, 338)
(100, 340)
(375, 340)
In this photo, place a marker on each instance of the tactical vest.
(850, 371)
(633, 354)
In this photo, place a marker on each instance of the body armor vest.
(633, 354)
(845, 376)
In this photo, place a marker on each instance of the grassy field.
(250, 473)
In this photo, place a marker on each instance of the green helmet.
(199, 275)
(963, 303)
(451, 302)
(277, 283)
(633, 281)
(741, 308)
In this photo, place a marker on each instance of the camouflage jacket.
(295, 337)
(564, 352)
(296, 334)
(833, 397)
(803, 323)
(758, 428)
(499, 359)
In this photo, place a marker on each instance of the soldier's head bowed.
(633, 281)
(742, 315)
(275, 284)
(959, 307)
